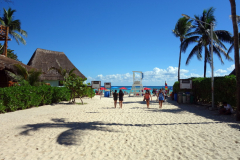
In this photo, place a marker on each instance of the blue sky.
(108, 39)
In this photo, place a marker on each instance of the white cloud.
(155, 77)
(231, 68)
(220, 71)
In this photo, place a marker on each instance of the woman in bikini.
(147, 97)
(160, 97)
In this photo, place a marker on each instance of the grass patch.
(81, 103)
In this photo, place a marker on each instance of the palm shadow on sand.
(75, 131)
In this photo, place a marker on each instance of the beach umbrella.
(123, 88)
(102, 88)
(129, 88)
(147, 88)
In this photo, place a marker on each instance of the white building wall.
(53, 83)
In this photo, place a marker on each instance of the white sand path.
(97, 130)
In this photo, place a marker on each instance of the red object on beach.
(147, 88)
(123, 88)
(102, 88)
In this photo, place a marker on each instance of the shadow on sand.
(73, 135)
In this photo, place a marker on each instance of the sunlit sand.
(97, 130)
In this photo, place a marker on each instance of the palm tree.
(31, 77)
(236, 55)
(201, 36)
(232, 46)
(14, 25)
(182, 27)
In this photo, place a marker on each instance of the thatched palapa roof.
(8, 64)
(45, 59)
(233, 72)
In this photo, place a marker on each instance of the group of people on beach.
(116, 96)
(160, 97)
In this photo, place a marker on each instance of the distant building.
(45, 59)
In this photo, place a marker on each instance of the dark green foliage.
(60, 93)
(224, 89)
(10, 53)
(22, 97)
(90, 92)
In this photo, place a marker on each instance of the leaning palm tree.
(182, 28)
(15, 30)
(201, 35)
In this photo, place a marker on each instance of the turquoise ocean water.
(129, 88)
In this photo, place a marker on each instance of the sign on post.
(96, 84)
(107, 85)
(185, 84)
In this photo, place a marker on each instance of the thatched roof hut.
(233, 72)
(8, 64)
(45, 59)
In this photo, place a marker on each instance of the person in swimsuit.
(160, 97)
(121, 98)
(147, 97)
(115, 96)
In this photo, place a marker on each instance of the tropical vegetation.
(201, 89)
(15, 30)
(202, 37)
(10, 53)
(23, 97)
(182, 28)
(25, 77)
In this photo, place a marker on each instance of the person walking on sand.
(121, 98)
(115, 96)
(147, 97)
(160, 97)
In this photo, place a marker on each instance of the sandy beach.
(97, 130)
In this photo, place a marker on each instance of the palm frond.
(223, 52)
(71, 71)
(34, 77)
(217, 51)
(197, 50)
(224, 36)
(14, 76)
(230, 49)
(18, 38)
(189, 41)
(21, 71)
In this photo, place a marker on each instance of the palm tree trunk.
(179, 64)
(205, 62)
(236, 55)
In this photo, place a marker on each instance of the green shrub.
(22, 97)
(224, 89)
(60, 94)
